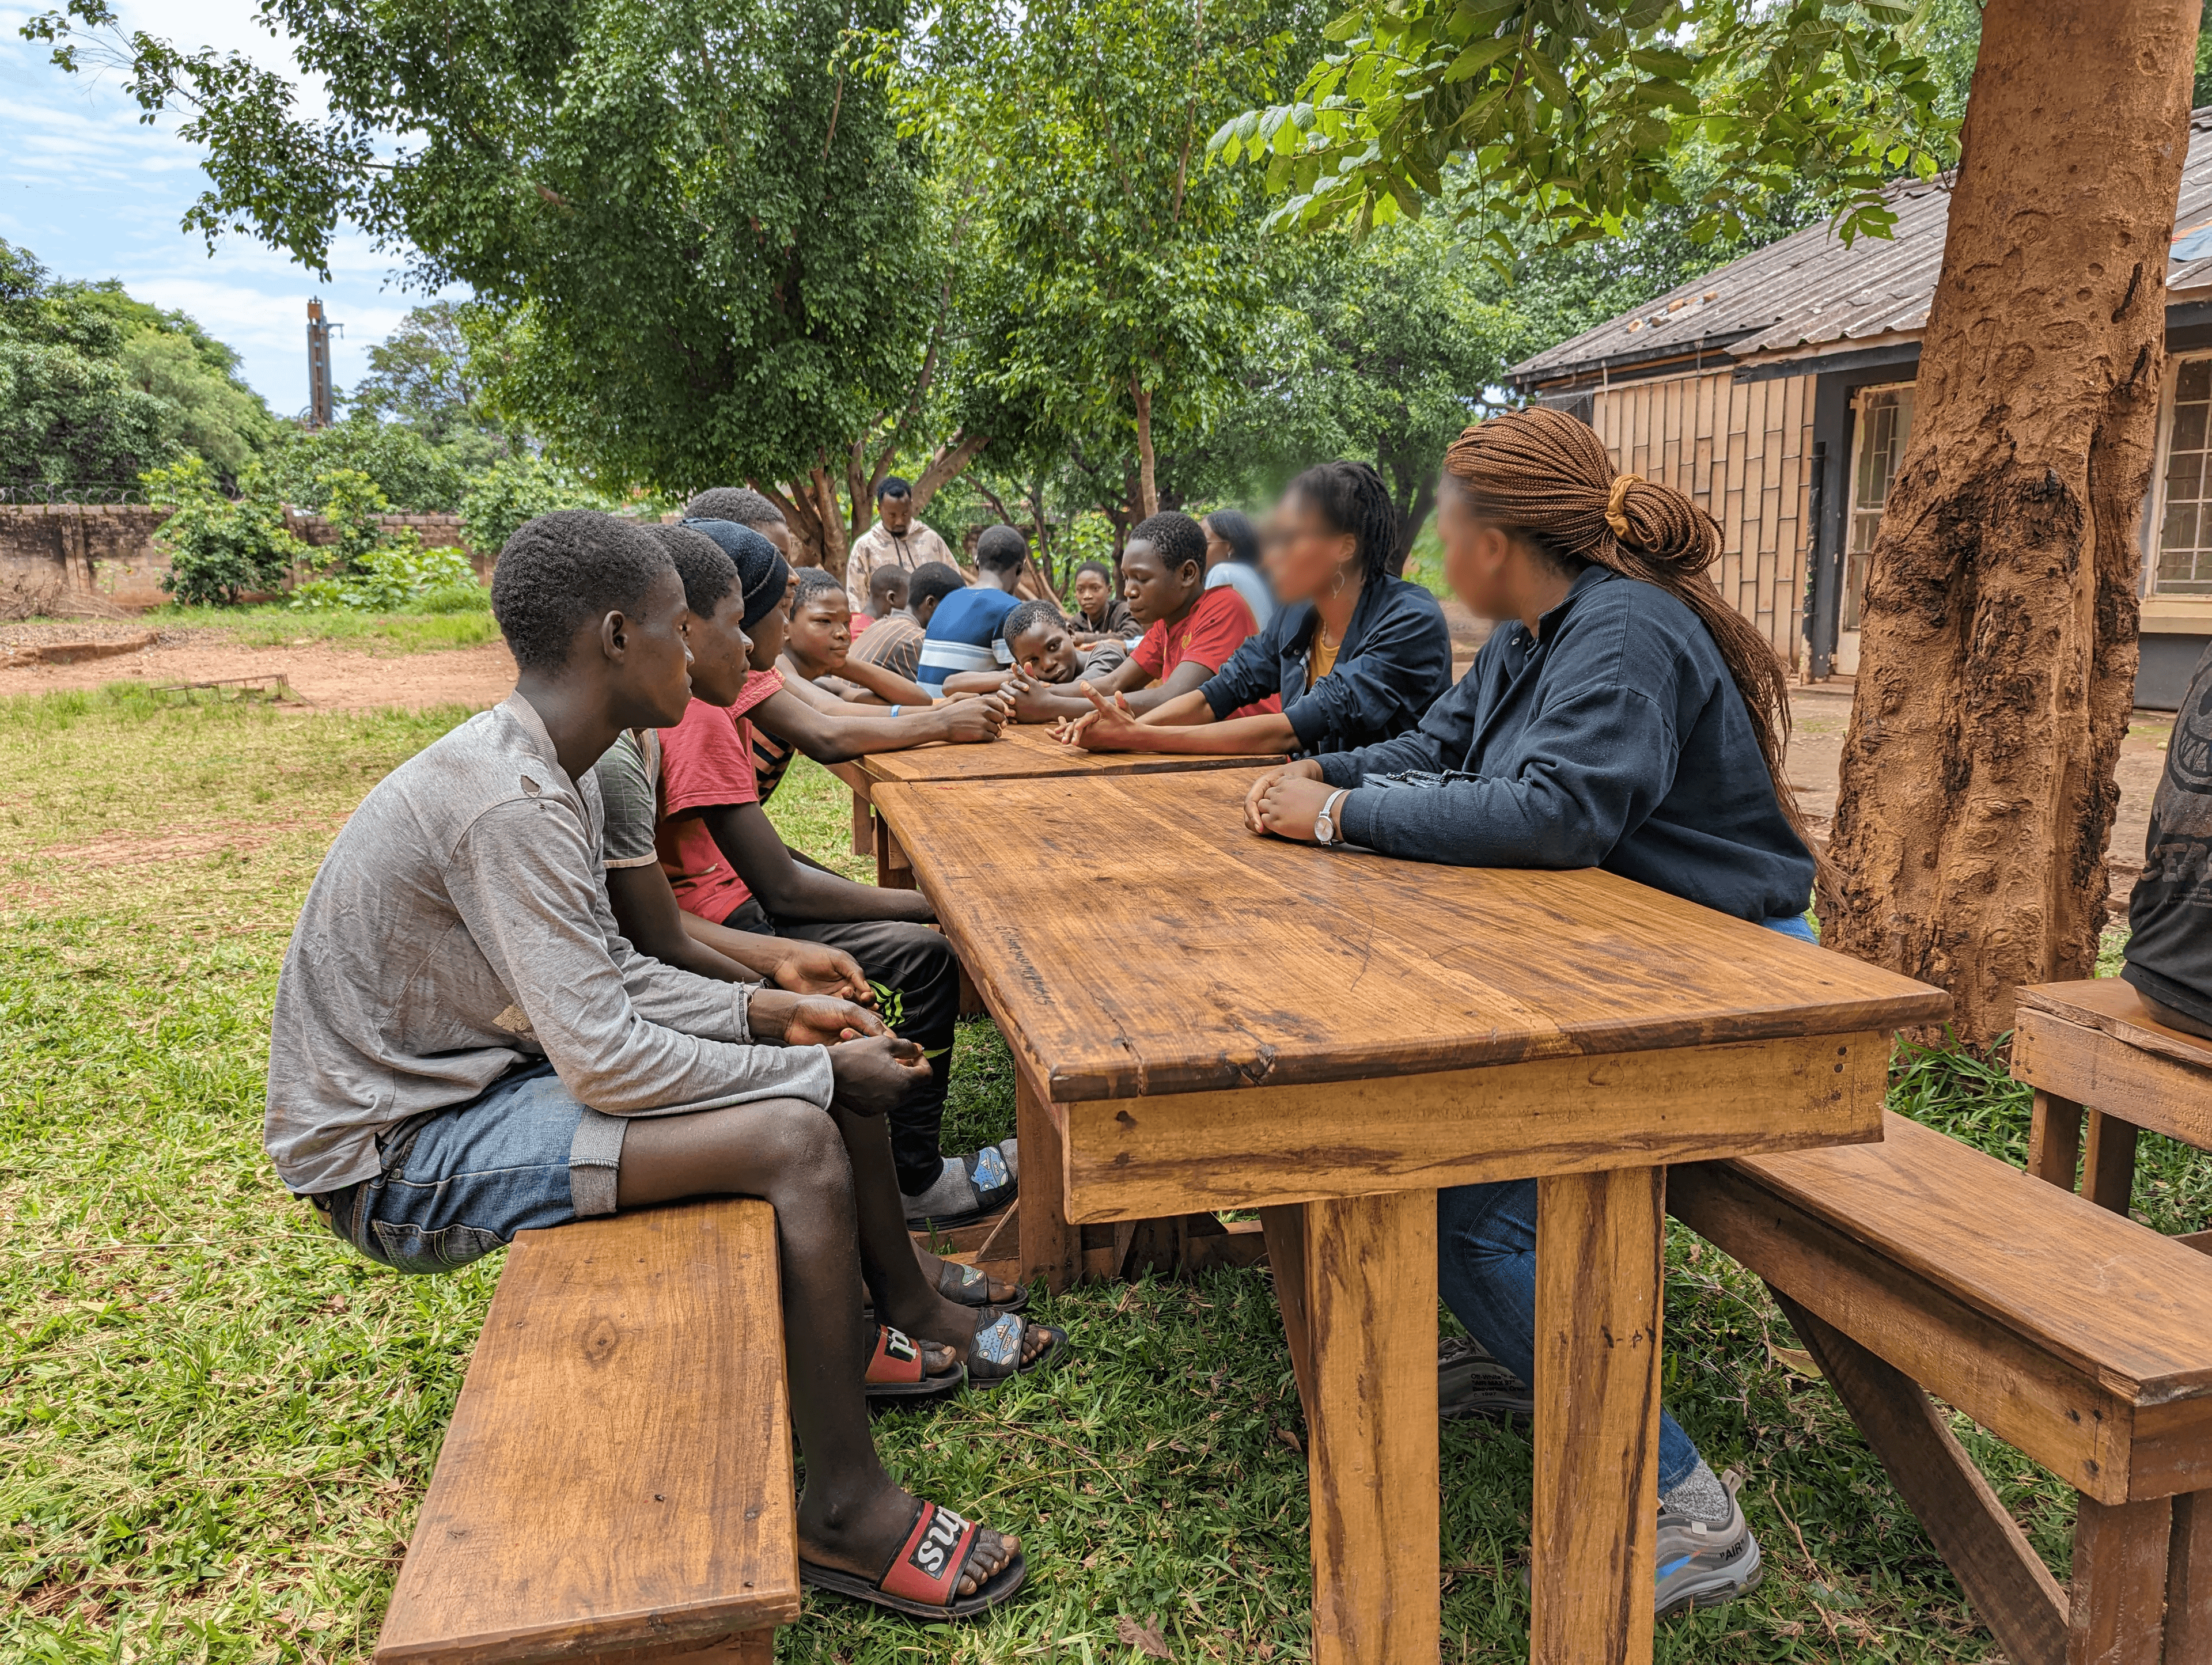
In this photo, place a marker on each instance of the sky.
(94, 194)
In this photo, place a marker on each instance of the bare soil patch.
(324, 677)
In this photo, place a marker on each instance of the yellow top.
(1324, 657)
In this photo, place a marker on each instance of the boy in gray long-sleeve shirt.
(463, 1046)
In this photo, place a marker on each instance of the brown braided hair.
(1544, 476)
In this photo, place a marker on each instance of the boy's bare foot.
(936, 1321)
(973, 1287)
(861, 1538)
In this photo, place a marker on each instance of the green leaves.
(1561, 117)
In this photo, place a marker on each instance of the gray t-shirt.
(630, 782)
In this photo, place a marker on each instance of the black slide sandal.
(925, 1571)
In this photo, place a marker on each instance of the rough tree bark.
(1997, 662)
(1148, 486)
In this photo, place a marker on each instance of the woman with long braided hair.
(1620, 716)
(1350, 656)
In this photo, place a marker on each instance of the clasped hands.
(1285, 800)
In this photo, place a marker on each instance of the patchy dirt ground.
(323, 676)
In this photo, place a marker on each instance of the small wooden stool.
(2092, 1046)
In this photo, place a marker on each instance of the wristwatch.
(1325, 828)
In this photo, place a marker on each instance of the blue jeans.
(1486, 1272)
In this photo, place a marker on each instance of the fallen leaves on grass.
(1145, 1638)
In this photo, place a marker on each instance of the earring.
(1337, 588)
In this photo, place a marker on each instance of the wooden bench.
(2093, 1044)
(1920, 1267)
(617, 1483)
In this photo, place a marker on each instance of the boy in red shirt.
(1190, 632)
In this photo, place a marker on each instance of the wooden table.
(1022, 751)
(1330, 1038)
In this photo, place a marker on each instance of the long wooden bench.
(1920, 1267)
(2093, 1047)
(617, 1483)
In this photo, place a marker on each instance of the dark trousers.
(918, 965)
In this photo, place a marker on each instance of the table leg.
(1598, 1244)
(1372, 1471)
(2118, 1608)
(1051, 1248)
(893, 871)
(1286, 1230)
(863, 826)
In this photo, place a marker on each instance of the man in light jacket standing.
(897, 539)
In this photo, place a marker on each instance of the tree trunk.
(1413, 494)
(946, 463)
(1997, 661)
(1148, 484)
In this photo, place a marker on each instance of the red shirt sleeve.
(1151, 653)
(706, 760)
(1217, 628)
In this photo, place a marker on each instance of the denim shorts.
(458, 1182)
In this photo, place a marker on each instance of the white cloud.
(94, 193)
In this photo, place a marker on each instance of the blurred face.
(895, 512)
(721, 652)
(1479, 557)
(1217, 548)
(1091, 593)
(1305, 555)
(821, 630)
(652, 679)
(768, 634)
(886, 591)
(1048, 653)
(1154, 590)
(779, 534)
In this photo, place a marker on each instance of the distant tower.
(318, 366)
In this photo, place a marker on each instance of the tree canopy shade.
(1121, 283)
(1567, 112)
(699, 226)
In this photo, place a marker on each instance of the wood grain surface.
(618, 1471)
(1028, 749)
(2189, 1580)
(1598, 1311)
(1369, 1277)
(2113, 1073)
(2112, 1005)
(2069, 1332)
(2118, 1615)
(1131, 1157)
(1236, 960)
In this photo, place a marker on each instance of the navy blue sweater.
(1392, 664)
(1614, 738)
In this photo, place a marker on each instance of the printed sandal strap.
(988, 1171)
(1000, 1343)
(895, 1359)
(927, 1566)
(965, 1279)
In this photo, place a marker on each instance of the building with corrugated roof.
(1777, 392)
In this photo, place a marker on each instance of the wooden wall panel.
(1742, 450)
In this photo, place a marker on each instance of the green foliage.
(219, 551)
(401, 576)
(1119, 280)
(428, 376)
(519, 488)
(1568, 112)
(67, 411)
(414, 475)
(694, 223)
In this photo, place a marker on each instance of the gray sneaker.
(1471, 1383)
(1703, 1565)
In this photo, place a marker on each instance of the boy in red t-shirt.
(1190, 631)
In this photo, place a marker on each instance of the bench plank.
(2073, 1334)
(618, 1471)
(2111, 1005)
(2092, 1065)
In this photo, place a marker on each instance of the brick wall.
(50, 552)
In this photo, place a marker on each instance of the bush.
(414, 475)
(402, 576)
(219, 551)
(516, 489)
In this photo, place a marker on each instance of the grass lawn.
(216, 1422)
(277, 625)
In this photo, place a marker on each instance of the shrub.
(402, 576)
(219, 551)
(515, 489)
(411, 473)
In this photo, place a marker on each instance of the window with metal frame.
(2184, 525)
